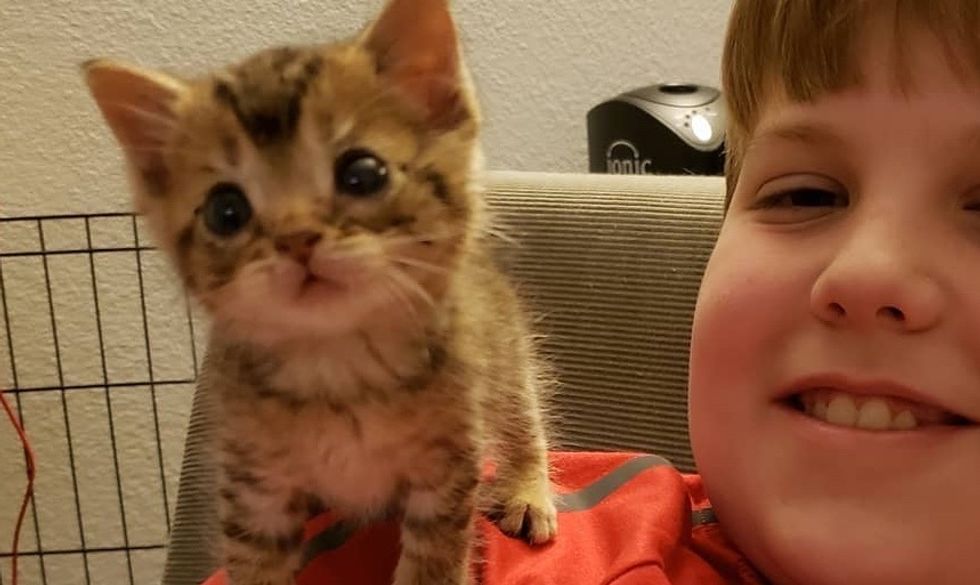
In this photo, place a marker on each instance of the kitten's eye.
(226, 210)
(360, 173)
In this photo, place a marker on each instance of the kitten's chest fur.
(353, 422)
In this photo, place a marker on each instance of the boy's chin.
(813, 504)
(849, 551)
(847, 540)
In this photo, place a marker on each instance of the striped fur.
(388, 392)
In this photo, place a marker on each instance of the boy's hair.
(806, 48)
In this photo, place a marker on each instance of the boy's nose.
(876, 282)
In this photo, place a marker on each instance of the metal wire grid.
(102, 353)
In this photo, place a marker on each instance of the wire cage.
(98, 354)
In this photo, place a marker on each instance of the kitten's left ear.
(140, 109)
(416, 48)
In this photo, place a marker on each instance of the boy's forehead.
(887, 43)
(912, 59)
(915, 63)
(803, 50)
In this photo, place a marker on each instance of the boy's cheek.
(733, 335)
(753, 304)
(753, 296)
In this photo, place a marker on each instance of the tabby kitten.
(365, 352)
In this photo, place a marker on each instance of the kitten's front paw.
(531, 516)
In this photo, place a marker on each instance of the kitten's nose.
(299, 245)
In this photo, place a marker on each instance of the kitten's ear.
(416, 48)
(140, 108)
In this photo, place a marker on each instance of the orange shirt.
(624, 519)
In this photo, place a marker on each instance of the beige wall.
(540, 65)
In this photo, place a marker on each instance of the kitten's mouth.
(298, 283)
(311, 280)
(317, 286)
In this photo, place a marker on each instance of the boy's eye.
(805, 197)
(799, 198)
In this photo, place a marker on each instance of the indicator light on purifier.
(701, 128)
(660, 129)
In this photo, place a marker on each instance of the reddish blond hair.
(806, 48)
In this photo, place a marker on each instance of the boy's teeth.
(842, 411)
(873, 414)
(905, 421)
(819, 409)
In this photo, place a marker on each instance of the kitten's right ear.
(140, 108)
(416, 48)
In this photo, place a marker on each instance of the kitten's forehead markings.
(256, 193)
(308, 164)
(343, 128)
(266, 92)
(435, 179)
(229, 146)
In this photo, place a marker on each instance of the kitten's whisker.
(410, 285)
(421, 238)
(500, 235)
(357, 255)
(396, 291)
(420, 264)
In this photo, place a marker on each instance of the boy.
(835, 363)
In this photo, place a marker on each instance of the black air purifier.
(664, 129)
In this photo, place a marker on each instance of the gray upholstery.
(612, 265)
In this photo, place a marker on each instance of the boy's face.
(835, 367)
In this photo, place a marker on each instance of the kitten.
(365, 351)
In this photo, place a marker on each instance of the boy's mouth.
(872, 413)
(880, 406)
